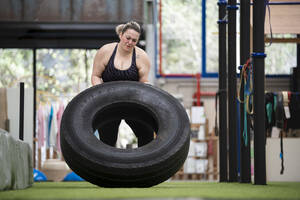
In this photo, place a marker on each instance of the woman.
(123, 60)
(117, 62)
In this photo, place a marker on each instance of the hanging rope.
(246, 78)
(267, 5)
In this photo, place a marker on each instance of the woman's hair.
(130, 25)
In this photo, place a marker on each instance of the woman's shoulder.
(140, 52)
(142, 57)
(106, 49)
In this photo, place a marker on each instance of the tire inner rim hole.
(125, 125)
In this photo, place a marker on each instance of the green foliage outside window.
(281, 57)
(60, 72)
(181, 29)
(182, 32)
(212, 37)
(15, 66)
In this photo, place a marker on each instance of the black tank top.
(111, 73)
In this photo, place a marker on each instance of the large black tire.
(108, 166)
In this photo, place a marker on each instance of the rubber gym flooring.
(172, 190)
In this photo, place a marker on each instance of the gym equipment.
(55, 169)
(107, 166)
(39, 176)
(73, 177)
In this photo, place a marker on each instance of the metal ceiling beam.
(56, 35)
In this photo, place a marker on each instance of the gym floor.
(174, 190)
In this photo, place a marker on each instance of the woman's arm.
(143, 65)
(99, 65)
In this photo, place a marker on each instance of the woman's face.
(129, 39)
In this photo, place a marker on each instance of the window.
(212, 37)
(63, 73)
(281, 57)
(181, 29)
(182, 41)
(15, 67)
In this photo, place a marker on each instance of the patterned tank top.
(111, 73)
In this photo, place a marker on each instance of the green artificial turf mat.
(180, 189)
